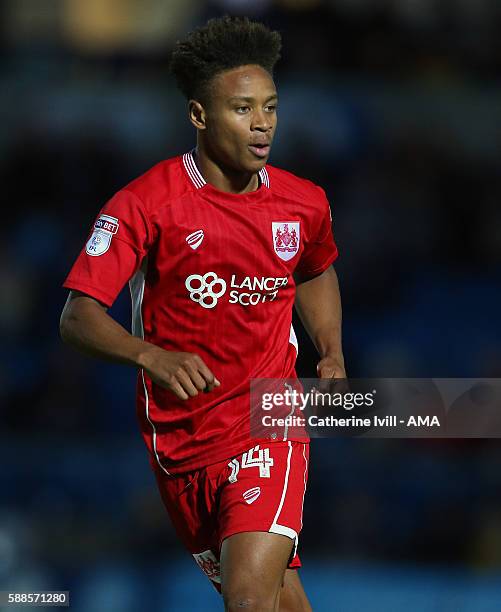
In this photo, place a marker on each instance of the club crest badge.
(286, 236)
(104, 229)
(209, 564)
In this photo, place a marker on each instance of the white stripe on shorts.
(275, 526)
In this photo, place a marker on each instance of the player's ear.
(197, 114)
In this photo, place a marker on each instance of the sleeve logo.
(285, 238)
(104, 229)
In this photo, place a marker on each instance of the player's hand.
(331, 367)
(332, 375)
(185, 374)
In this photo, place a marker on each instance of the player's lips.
(260, 150)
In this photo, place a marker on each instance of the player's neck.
(223, 178)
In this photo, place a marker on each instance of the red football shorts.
(260, 490)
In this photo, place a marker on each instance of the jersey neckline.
(200, 183)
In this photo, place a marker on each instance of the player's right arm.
(87, 326)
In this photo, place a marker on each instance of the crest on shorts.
(105, 228)
(209, 565)
(286, 236)
(251, 494)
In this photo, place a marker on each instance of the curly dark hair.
(221, 44)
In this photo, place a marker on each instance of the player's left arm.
(318, 304)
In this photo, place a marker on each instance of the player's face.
(241, 118)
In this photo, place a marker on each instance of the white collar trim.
(198, 180)
(193, 172)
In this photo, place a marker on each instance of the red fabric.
(205, 507)
(242, 333)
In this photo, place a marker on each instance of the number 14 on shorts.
(255, 457)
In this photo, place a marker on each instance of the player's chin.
(257, 162)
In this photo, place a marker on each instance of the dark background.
(394, 107)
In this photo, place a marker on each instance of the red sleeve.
(320, 250)
(118, 242)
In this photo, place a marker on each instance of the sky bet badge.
(285, 238)
(104, 229)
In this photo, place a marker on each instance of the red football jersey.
(209, 273)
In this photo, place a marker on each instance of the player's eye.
(271, 108)
(242, 109)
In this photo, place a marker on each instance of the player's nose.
(261, 121)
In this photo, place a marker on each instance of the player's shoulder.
(163, 182)
(295, 187)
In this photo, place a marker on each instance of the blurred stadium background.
(394, 106)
